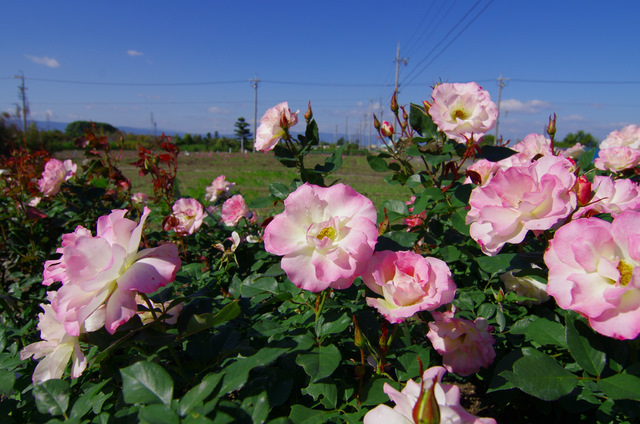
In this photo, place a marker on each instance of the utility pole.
(398, 60)
(370, 118)
(501, 83)
(22, 94)
(346, 130)
(154, 124)
(254, 84)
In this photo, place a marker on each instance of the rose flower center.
(459, 114)
(328, 232)
(626, 271)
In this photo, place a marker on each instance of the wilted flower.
(408, 282)
(107, 270)
(234, 209)
(219, 188)
(140, 198)
(274, 125)
(186, 217)
(462, 111)
(465, 346)
(447, 397)
(525, 286)
(55, 173)
(593, 270)
(326, 236)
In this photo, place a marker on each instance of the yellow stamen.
(328, 232)
(459, 113)
(626, 271)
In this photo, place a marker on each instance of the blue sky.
(190, 63)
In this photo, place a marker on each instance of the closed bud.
(376, 123)
(583, 190)
(394, 103)
(551, 129)
(386, 129)
(357, 334)
(427, 410)
(308, 114)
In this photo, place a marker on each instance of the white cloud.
(218, 111)
(530, 106)
(134, 53)
(44, 60)
(573, 118)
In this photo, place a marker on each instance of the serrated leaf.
(546, 332)
(279, 190)
(237, 373)
(590, 359)
(331, 323)
(541, 376)
(321, 362)
(621, 386)
(52, 397)
(146, 382)
(327, 392)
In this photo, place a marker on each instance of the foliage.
(78, 128)
(249, 346)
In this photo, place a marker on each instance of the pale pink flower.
(234, 209)
(140, 198)
(447, 397)
(102, 274)
(55, 173)
(525, 286)
(56, 348)
(594, 270)
(414, 220)
(534, 145)
(628, 136)
(274, 125)
(573, 152)
(386, 129)
(186, 217)
(326, 235)
(481, 172)
(462, 111)
(465, 346)
(519, 199)
(35, 201)
(616, 159)
(408, 282)
(219, 188)
(611, 196)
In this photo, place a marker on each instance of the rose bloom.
(140, 198)
(219, 188)
(616, 159)
(186, 217)
(234, 209)
(325, 235)
(462, 111)
(273, 126)
(519, 199)
(447, 397)
(409, 283)
(628, 136)
(55, 173)
(414, 220)
(533, 145)
(526, 286)
(465, 346)
(107, 271)
(593, 270)
(573, 152)
(386, 129)
(481, 172)
(611, 196)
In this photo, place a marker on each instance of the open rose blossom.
(186, 217)
(532, 197)
(409, 283)
(594, 270)
(628, 136)
(465, 346)
(219, 188)
(618, 158)
(234, 209)
(102, 274)
(273, 126)
(447, 396)
(55, 173)
(325, 235)
(611, 196)
(462, 111)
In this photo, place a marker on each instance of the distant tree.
(77, 128)
(581, 137)
(242, 130)
(340, 141)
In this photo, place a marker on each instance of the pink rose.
(611, 196)
(219, 188)
(325, 235)
(234, 209)
(386, 129)
(414, 220)
(532, 197)
(140, 198)
(533, 145)
(55, 173)
(573, 152)
(465, 346)
(409, 283)
(616, 159)
(101, 275)
(481, 172)
(462, 111)
(628, 136)
(447, 397)
(593, 271)
(186, 217)
(273, 126)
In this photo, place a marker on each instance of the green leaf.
(621, 386)
(279, 190)
(590, 359)
(321, 362)
(373, 392)
(52, 397)
(422, 122)
(546, 332)
(327, 392)
(92, 398)
(158, 414)
(7, 379)
(257, 406)
(262, 202)
(203, 321)
(497, 263)
(237, 373)
(377, 163)
(541, 376)
(332, 322)
(303, 415)
(199, 393)
(146, 382)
